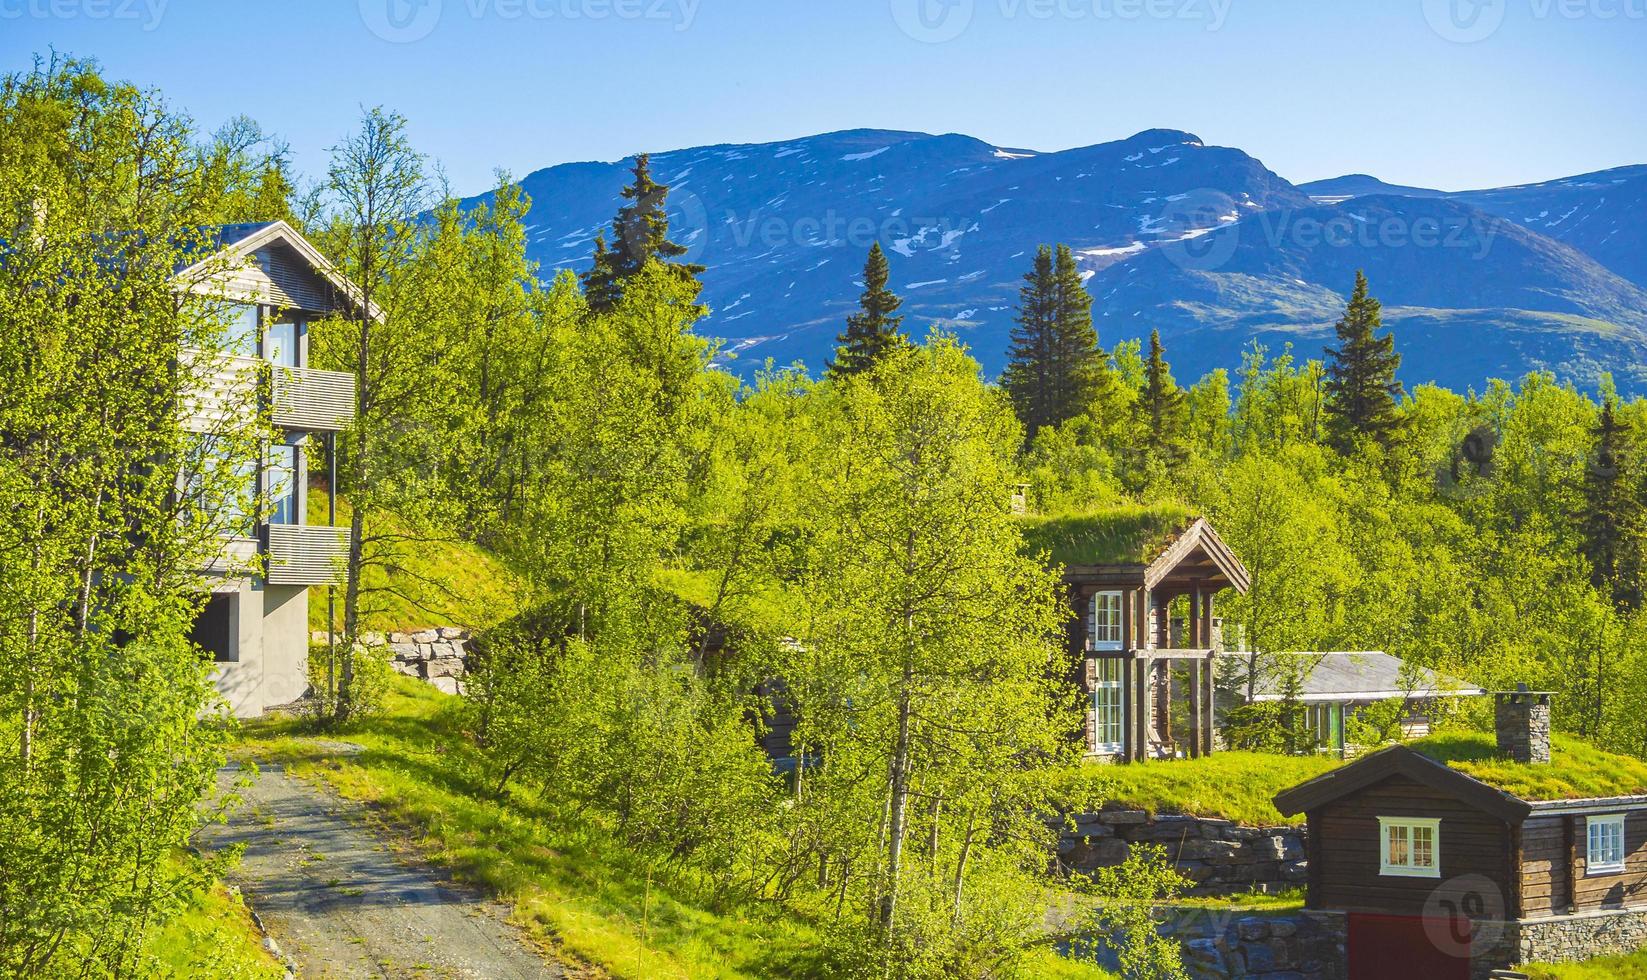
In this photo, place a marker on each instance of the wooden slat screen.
(305, 555)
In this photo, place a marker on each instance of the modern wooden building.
(271, 284)
(1149, 678)
(1446, 873)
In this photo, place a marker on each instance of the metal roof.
(1368, 675)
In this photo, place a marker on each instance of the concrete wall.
(271, 626)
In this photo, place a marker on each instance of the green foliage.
(109, 727)
(1124, 920)
(873, 330)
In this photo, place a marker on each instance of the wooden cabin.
(1148, 679)
(1453, 869)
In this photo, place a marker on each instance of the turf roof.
(1131, 535)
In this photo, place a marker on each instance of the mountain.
(1203, 242)
(1468, 294)
(1339, 189)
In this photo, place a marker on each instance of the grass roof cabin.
(1463, 853)
(1123, 568)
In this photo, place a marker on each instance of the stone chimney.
(1522, 721)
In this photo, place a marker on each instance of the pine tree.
(640, 234)
(1056, 369)
(1610, 524)
(1361, 385)
(873, 331)
(1160, 409)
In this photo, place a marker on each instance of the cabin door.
(1402, 947)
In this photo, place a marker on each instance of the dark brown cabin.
(1402, 841)
(1135, 659)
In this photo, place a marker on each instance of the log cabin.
(1456, 856)
(1147, 677)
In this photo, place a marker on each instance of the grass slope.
(214, 937)
(1631, 967)
(1231, 785)
(425, 583)
(1128, 535)
(1577, 770)
(571, 887)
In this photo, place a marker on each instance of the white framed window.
(1409, 847)
(1106, 706)
(1104, 621)
(1605, 853)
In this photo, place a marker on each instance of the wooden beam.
(1140, 717)
(1517, 877)
(1196, 719)
(1210, 728)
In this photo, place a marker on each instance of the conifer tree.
(873, 331)
(1160, 408)
(640, 234)
(1361, 385)
(1056, 369)
(1610, 523)
(1082, 368)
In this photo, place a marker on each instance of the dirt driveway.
(340, 903)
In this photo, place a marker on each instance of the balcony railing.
(312, 400)
(300, 555)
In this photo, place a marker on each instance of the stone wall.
(1559, 938)
(436, 655)
(1297, 946)
(1217, 856)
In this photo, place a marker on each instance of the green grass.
(436, 583)
(1577, 770)
(1128, 535)
(572, 888)
(1230, 785)
(214, 937)
(1631, 967)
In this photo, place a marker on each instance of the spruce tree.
(1082, 369)
(640, 234)
(1610, 525)
(873, 331)
(1361, 386)
(1028, 375)
(1055, 369)
(1160, 407)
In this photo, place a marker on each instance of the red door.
(1401, 947)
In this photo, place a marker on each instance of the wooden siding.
(305, 555)
(311, 400)
(1346, 847)
(291, 283)
(1551, 870)
(1546, 877)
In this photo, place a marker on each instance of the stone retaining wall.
(436, 655)
(1217, 856)
(1557, 939)
(1297, 946)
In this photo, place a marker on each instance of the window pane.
(280, 344)
(240, 334)
(281, 477)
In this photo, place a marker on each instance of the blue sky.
(1448, 93)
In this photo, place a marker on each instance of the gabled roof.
(1198, 545)
(1369, 675)
(241, 241)
(1400, 760)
